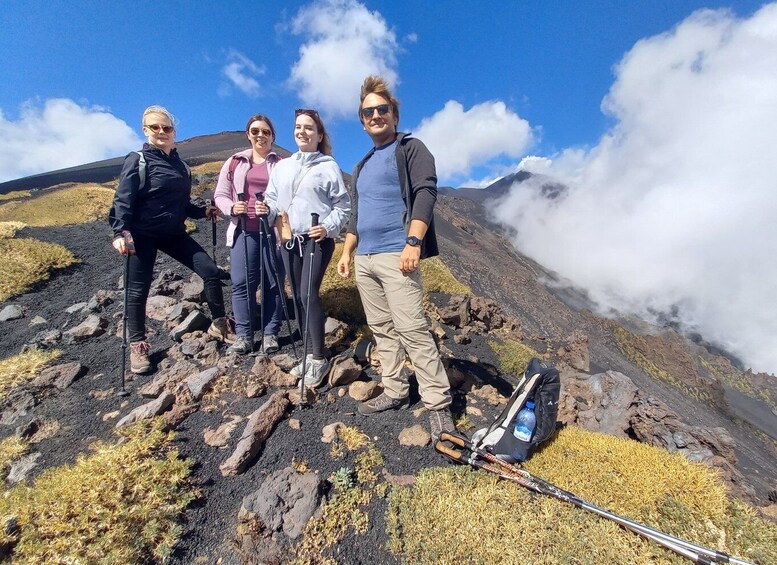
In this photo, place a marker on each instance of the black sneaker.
(381, 403)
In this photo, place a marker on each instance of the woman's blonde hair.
(158, 110)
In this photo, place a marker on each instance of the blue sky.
(549, 63)
(659, 116)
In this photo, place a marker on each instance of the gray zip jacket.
(319, 188)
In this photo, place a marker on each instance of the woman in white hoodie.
(309, 182)
(242, 181)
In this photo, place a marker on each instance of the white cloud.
(60, 134)
(674, 210)
(344, 43)
(461, 140)
(241, 73)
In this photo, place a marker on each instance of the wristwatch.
(413, 240)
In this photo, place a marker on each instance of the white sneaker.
(316, 372)
(297, 370)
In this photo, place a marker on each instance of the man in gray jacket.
(394, 189)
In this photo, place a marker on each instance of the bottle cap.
(530, 404)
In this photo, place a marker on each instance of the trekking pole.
(123, 391)
(260, 197)
(482, 459)
(209, 203)
(242, 198)
(313, 222)
(277, 275)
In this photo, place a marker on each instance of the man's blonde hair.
(375, 84)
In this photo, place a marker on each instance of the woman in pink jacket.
(242, 181)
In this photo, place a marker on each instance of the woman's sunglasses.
(263, 131)
(306, 111)
(156, 128)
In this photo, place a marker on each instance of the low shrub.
(60, 206)
(23, 367)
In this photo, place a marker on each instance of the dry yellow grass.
(514, 356)
(27, 262)
(11, 448)
(437, 277)
(495, 521)
(60, 206)
(9, 229)
(121, 504)
(207, 168)
(14, 195)
(23, 367)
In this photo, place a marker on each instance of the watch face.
(413, 240)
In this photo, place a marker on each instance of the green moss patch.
(459, 515)
(120, 504)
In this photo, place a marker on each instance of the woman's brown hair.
(324, 146)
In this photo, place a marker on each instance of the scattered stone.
(257, 430)
(166, 283)
(60, 376)
(16, 405)
(285, 503)
(158, 307)
(295, 398)
(487, 312)
(362, 390)
(329, 432)
(344, 371)
(75, 308)
(284, 361)
(111, 415)
(220, 436)
(456, 313)
(209, 354)
(461, 339)
(438, 331)
(194, 290)
(399, 480)
(193, 322)
(182, 409)
(102, 394)
(341, 392)
(294, 424)
(574, 352)
(148, 410)
(178, 313)
(472, 411)
(11, 312)
(489, 394)
(99, 300)
(200, 383)
(93, 326)
(21, 468)
(255, 389)
(38, 321)
(267, 370)
(419, 411)
(47, 338)
(415, 436)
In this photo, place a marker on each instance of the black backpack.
(540, 382)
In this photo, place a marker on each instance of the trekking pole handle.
(260, 198)
(448, 451)
(313, 219)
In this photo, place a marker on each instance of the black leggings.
(298, 268)
(183, 249)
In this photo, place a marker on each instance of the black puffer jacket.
(162, 206)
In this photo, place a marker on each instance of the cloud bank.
(60, 133)
(343, 43)
(462, 139)
(241, 72)
(673, 212)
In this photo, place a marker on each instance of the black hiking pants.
(186, 251)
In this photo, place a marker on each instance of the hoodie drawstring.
(295, 239)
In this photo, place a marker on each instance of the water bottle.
(525, 422)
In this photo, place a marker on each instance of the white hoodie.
(320, 189)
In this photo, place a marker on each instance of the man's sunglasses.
(383, 109)
(156, 128)
(264, 131)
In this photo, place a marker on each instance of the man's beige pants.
(393, 303)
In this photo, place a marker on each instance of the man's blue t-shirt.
(381, 207)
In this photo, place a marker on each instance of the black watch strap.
(413, 240)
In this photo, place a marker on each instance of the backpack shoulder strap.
(232, 166)
(141, 170)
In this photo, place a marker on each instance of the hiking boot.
(222, 330)
(315, 372)
(270, 344)
(139, 361)
(297, 370)
(381, 403)
(242, 346)
(441, 421)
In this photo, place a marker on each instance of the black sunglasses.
(306, 111)
(383, 109)
(156, 128)
(264, 131)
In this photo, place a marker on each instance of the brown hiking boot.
(381, 403)
(441, 421)
(222, 329)
(139, 361)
